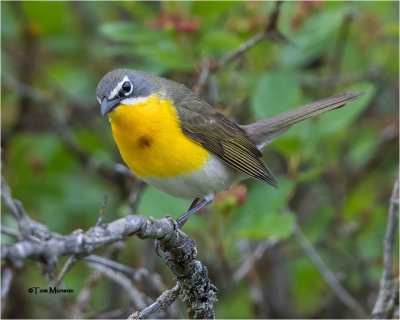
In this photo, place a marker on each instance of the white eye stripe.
(118, 88)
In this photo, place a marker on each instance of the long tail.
(266, 130)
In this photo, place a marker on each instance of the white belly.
(214, 176)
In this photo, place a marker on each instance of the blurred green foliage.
(335, 173)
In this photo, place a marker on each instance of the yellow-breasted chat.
(178, 143)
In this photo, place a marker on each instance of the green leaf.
(76, 199)
(158, 204)
(131, 33)
(307, 286)
(212, 7)
(287, 144)
(337, 119)
(370, 241)
(364, 147)
(141, 44)
(169, 55)
(62, 43)
(260, 217)
(274, 225)
(310, 174)
(75, 81)
(97, 146)
(264, 198)
(219, 40)
(313, 37)
(8, 24)
(236, 304)
(318, 228)
(50, 183)
(50, 17)
(275, 92)
(31, 154)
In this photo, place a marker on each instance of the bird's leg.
(194, 207)
(193, 204)
(157, 248)
(156, 243)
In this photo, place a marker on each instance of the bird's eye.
(127, 87)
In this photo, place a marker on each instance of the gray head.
(122, 86)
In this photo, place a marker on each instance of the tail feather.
(266, 130)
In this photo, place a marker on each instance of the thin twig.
(387, 303)
(254, 283)
(249, 262)
(162, 302)
(10, 202)
(6, 278)
(137, 298)
(390, 234)
(10, 232)
(28, 228)
(241, 49)
(203, 77)
(72, 259)
(152, 281)
(81, 304)
(123, 169)
(102, 213)
(328, 275)
(135, 194)
(67, 266)
(258, 298)
(270, 32)
(113, 314)
(198, 294)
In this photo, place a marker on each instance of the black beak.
(108, 106)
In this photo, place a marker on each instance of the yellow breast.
(151, 141)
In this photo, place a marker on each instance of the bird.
(178, 143)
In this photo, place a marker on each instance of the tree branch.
(138, 299)
(28, 228)
(270, 32)
(81, 304)
(10, 232)
(67, 266)
(6, 277)
(152, 281)
(162, 302)
(256, 255)
(197, 292)
(241, 49)
(387, 303)
(328, 275)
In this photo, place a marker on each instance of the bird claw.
(184, 244)
(157, 248)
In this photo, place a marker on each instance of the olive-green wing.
(223, 138)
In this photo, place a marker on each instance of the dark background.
(335, 173)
